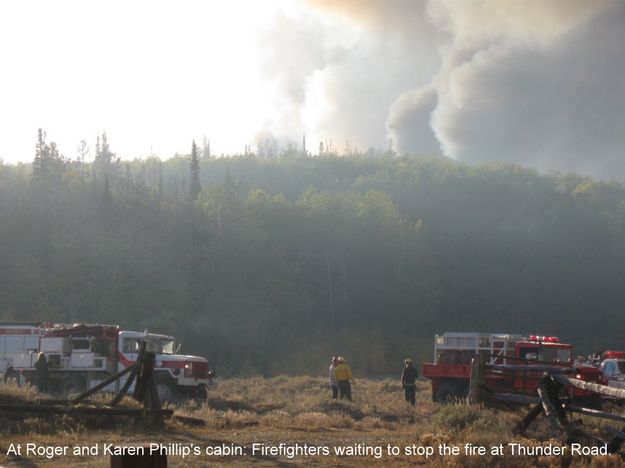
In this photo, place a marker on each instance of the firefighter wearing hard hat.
(343, 377)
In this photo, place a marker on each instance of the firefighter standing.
(332, 378)
(42, 372)
(408, 381)
(343, 376)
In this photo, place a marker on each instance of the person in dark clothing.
(334, 385)
(408, 381)
(42, 372)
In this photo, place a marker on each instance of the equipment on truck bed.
(15, 339)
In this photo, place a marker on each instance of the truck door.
(128, 350)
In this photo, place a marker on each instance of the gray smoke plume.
(539, 85)
(535, 82)
(408, 121)
(359, 60)
(296, 49)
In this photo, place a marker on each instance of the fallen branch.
(590, 387)
(595, 413)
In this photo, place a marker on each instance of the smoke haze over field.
(535, 82)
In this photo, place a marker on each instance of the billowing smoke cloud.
(538, 86)
(295, 49)
(345, 65)
(409, 121)
(532, 82)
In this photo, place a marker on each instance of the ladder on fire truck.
(498, 346)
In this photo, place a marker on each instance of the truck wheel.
(72, 384)
(165, 392)
(446, 393)
(201, 392)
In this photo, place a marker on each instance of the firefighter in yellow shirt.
(343, 376)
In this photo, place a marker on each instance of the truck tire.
(73, 384)
(201, 392)
(446, 393)
(462, 391)
(166, 392)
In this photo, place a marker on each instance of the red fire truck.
(82, 355)
(450, 372)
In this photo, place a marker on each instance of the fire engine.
(82, 355)
(450, 372)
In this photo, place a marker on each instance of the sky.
(533, 82)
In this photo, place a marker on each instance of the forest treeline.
(272, 265)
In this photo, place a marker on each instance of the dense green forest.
(272, 264)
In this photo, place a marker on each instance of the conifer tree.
(48, 165)
(195, 187)
(106, 162)
(39, 164)
(206, 148)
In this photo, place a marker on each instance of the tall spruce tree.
(39, 163)
(195, 187)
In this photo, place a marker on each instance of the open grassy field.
(378, 429)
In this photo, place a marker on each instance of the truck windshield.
(160, 344)
(556, 354)
(621, 367)
(564, 355)
(545, 353)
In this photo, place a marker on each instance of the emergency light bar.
(544, 339)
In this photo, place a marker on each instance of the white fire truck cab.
(612, 367)
(613, 371)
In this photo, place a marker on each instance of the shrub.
(457, 417)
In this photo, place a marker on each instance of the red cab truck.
(450, 372)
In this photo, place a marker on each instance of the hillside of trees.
(272, 265)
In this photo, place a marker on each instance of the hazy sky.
(536, 82)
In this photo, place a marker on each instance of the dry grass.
(298, 410)
(10, 393)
